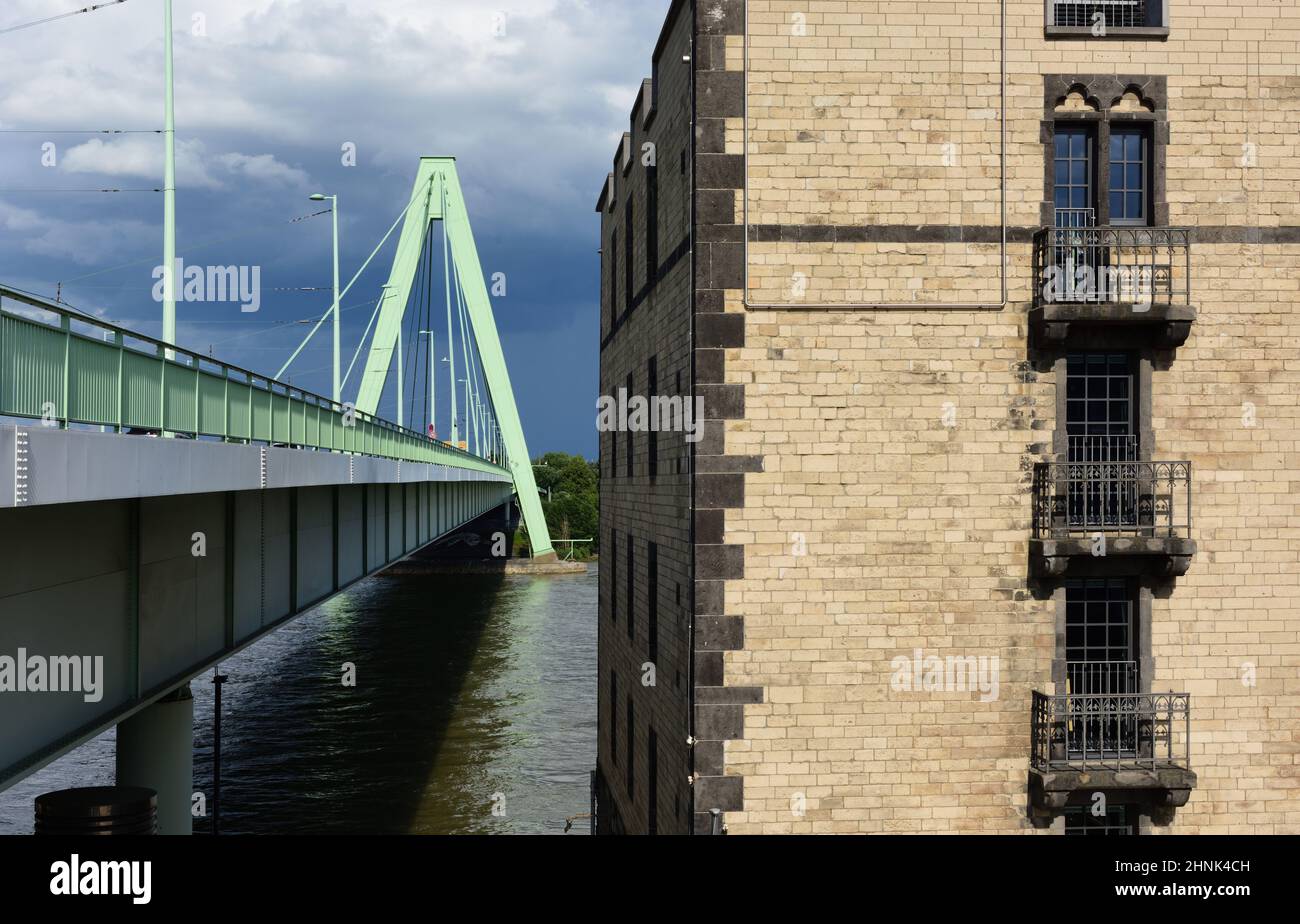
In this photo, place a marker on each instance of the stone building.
(988, 524)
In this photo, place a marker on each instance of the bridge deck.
(46, 465)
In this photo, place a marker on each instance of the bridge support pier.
(155, 748)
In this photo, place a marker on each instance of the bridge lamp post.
(169, 187)
(334, 213)
(544, 465)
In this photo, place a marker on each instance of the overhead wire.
(48, 19)
(211, 243)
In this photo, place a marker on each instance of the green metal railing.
(123, 380)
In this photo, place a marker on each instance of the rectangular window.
(1101, 429)
(1073, 163)
(613, 717)
(631, 736)
(630, 445)
(652, 438)
(652, 784)
(613, 575)
(1100, 409)
(1112, 14)
(613, 279)
(607, 284)
(652, 606)
(631, 587)
(1119, 820)
(651, 223)
(1100, 636)
(1129, 173)
(629, 291)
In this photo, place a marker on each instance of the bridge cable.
(446, 281)
(330, 310)
(460, 324)
(472, 409)
(413, 319)
(271, 326)
(413, 345)
(471, 347)
(480, 382)
(361, 344)
(425, 403)
(451, 339)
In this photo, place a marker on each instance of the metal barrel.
(97, 810)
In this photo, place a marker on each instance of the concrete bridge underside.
(86, 573)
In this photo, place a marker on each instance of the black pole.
(218, 679)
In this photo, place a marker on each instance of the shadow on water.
(359, 757)
(473, 712)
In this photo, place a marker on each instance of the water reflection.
(473, 693)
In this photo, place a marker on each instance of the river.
(473, 712)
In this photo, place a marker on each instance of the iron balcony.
(1121, 282)
(1125, 19)
(1117, 14)
(1112, 517)
(1135, 743)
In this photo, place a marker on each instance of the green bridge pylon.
(437, 196)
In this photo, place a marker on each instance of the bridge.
(161, 510)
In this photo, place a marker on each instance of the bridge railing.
(78, 369)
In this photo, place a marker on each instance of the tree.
(570, 490)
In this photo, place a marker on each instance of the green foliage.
(570, 490)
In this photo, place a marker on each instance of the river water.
(473, 712)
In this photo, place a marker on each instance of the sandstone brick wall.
(1229, 404)
(891, 511)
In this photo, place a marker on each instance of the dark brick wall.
(653, 324)
(719, 710)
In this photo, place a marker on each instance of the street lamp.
(544, 465)
(334, 213)
(169, 188)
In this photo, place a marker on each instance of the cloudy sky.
(529, 95)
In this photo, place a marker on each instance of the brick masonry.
(862, 488)
(654, 323)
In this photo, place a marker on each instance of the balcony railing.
(1139, 266)
(1125, 498)
(1101, 676)
(1118, 14)
(1117, 731)
(1121, 447)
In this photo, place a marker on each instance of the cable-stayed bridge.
(162, 509)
